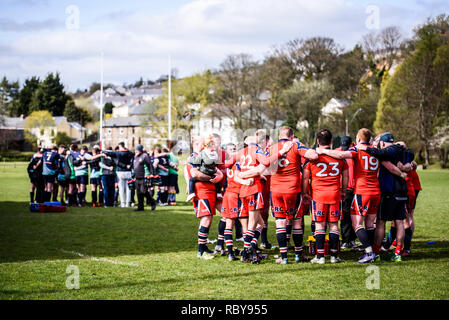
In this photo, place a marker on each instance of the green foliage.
(108, 106)
(22, 103)
(303, 102)
(50, 96)
(63, 138)
(414, 104)
(8, 94)
(75, 114)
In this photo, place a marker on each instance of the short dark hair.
(62, 146)
(122, 144)
(74, 147)
(85, 148)
(324, 137)
(164, 149)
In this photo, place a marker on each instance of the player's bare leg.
(379, 236)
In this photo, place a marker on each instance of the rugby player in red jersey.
(252, 196)
(325, 174)
(204, 202)
(366, 200)
(232, 208)
(286, 199)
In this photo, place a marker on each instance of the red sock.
(376, 249)
(398, 248)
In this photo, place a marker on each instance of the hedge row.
(15, 156)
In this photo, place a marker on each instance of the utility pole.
(169, 103)
(101, 104)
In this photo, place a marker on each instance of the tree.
(37, 120)
(62, 138)
(22, 105)
(8, 94)
(313, 58)
(346, 76)
(76, 114)
(303, 102)
(50, 96)
(232, 87)
(278, 74)
(414, 102)
(107, 108)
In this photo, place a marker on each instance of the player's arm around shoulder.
(336, 154)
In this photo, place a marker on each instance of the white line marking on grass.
(100, 259)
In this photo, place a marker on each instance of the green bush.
(15, 156)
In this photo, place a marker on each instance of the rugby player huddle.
(294, 180)
(114, 174)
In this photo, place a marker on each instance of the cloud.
(8, 25)
(198, 35)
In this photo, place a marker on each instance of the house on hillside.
(129, 130)
(12, 135)
(334, 106)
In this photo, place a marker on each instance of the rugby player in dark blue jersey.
(393, 192)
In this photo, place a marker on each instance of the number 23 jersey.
(326, 174)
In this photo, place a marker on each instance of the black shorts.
(173, 181)
(49, 179)
(63, 183)
(96, 181)
(81, 179)
(165, 181)
(71, 181)
(391, 208)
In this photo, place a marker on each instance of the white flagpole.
(169, 102)
(101, 105)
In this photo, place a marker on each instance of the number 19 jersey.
(366, 169)
(326, 174)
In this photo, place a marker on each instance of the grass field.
(152, 255)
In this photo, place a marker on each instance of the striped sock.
(263, 235)
(363, 236)
(256, 238)
(228, 240)
(221, 229)
(289, 232)
(281, 236)
(248, 238)
(320, 236)
(333, 242)
(298, 235)
(203, 233)
(370, 232)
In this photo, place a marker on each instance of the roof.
(133, 121)
(59, 119)
(12, 123)
(76, 125)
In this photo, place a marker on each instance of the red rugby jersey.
(233, 186)
(247, 159)
(416, 183)
(287, 177)
(326, 174)
(366, 170)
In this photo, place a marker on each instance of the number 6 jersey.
(287, 175)
(325, 173)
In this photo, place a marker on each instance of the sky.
(137, 37)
